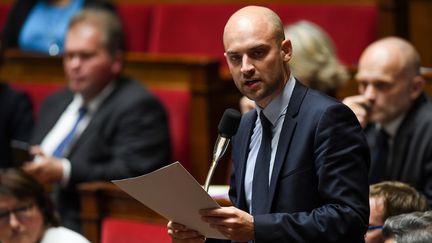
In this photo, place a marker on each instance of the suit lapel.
(99, 117)
(244, 137)
(401, 142)
(285, 139)
(50, 114)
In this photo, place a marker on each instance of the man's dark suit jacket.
(411, 159)
(319, 185)
(127, 136)
(16, 121)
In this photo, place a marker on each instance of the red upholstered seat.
(4, 11)
(176, 102)
(189, 29)
(198, 29)
(129, 231)
(136, 24)
(352, 27)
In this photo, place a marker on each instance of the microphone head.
(229, 123)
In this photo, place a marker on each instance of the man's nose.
(75, 61)
(370, 92)
(247, 67)
(13, 221)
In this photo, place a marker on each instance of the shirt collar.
(278, 106)
(392, 127)
(96, 102)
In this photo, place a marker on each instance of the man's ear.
(287, 50)
(117, 64)
(418, 84)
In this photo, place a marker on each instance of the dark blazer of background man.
(128, 132)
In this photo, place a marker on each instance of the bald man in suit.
(310, 147)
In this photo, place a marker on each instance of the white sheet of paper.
(175, 194)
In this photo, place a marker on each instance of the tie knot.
(265, 123)
(82, 111)
(383, 134)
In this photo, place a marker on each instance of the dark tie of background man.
(379, 157)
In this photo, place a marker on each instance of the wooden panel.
(420, 26)
(386, 18)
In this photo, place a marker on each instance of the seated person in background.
(40, 25)
(314, 62)
(26, 213)
(396, 114)
(387, 199)
(415, 227)
(103, 126)
(16, 121)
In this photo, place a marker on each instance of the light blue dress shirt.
(275, 113)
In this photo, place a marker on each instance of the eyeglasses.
(372, 227)
(22, 213)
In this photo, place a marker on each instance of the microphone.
(227, 128)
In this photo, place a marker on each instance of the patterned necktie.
(260, 184)
(379, 157)
(59, 151)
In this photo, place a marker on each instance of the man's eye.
(68, 56)
(234, 58)
(4, 214)
(86, 55)
(362, 85)
(382, 86)
(258, 54)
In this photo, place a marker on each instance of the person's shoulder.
(136, 93)
(9, 93)
(6, 90)
(317, 100)
(107, 5)
(62, 234)
(131, 87)
(60, 94)
(421, 112)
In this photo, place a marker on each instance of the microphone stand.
(218, 151)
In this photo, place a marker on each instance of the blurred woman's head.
(25, 209)
(314, 61)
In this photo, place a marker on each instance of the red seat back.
(129, 231)
(198, 29)
(136, 23)
(177, 103)
(189, 29)
(351, 27)
(4, 11)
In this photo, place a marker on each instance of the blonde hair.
(398, 198)
(314, 59)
